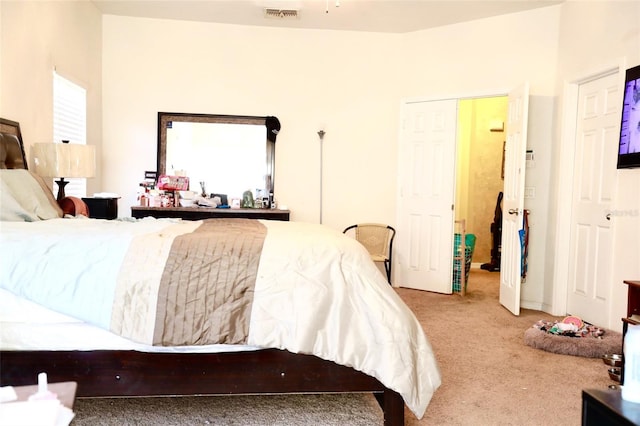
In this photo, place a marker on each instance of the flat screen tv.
(629, 147)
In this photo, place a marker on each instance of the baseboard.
(536, 306)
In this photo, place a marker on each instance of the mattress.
(27, 326)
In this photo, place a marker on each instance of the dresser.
(199, 213)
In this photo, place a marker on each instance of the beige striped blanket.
(204, 292)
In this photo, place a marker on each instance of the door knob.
(513, 211)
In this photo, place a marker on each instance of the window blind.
(70, 123)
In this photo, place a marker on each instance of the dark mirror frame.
(272, 127)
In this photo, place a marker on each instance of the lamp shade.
(65, 160)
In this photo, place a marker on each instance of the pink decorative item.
(173, 183)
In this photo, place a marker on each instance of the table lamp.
(64, 160)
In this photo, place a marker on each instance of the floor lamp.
(321, 134)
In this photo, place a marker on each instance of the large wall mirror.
(231, 154)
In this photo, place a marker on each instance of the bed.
(139, 308)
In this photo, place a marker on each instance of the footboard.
(132, 373)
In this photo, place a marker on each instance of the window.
(70, 123)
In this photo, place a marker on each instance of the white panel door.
(423, 251)
(597, 132)
(513, 201)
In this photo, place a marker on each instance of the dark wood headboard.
(11, 147)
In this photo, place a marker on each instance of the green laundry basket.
(470, 244)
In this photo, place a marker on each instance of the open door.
(513, 201)
(424, 253)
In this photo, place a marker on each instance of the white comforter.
(317, 292)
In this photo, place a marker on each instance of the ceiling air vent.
(281, 13)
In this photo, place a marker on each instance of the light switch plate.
(530, 192)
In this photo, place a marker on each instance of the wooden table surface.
(66, 392)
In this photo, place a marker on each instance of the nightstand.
(606, 407)
(102, 208)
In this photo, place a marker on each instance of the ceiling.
(389, 16)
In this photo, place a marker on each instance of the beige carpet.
(331, 410)
(490, 377)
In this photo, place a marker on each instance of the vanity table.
(199, 213)
(201, 145)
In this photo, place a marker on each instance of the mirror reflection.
(229, 154)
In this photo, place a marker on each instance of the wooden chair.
(377, 238)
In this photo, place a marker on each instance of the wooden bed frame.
(119, 373)
(132, 373)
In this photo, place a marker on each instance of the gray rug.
(590, 347)
(272, 410)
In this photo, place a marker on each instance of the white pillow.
(25, 197)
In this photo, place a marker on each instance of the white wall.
(343, 82)
(36, 38)
(595, 36)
